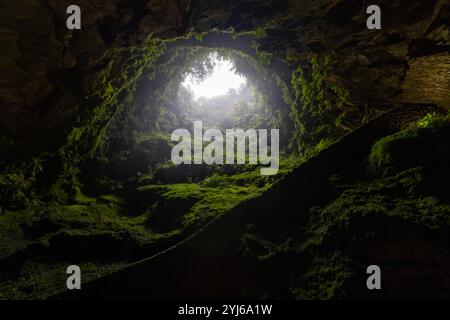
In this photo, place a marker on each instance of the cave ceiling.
(384, 67)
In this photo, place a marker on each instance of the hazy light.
(222, 79)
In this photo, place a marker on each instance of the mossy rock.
(326, 278)
(425, 144)
(111, 199)
(172, 205)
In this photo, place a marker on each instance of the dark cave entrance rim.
(242, 51)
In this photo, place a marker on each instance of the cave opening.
(218, 81)
(116, 183)
(87, 178)
(214, 92)
(225, 87)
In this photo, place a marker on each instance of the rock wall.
(47, 71)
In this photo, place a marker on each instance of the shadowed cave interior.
(85, 136)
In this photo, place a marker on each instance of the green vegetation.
(212, 196)
(111, 183)
(259, 33)
(420, 144)
(264, 58)
(407, 191)
(62, 230)
(178, 209)
(405, 197)
(112, 190)
(377, 216)
(101, 120)
(325, 278)
(42, 280)
(317, 107)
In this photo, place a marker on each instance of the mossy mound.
(107, 231)
(36, 244)
(40, 280)
(422, 144)
(398, 219)
(192, 205)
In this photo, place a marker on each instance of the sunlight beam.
(219, 82)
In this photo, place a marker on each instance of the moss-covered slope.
(290, 243)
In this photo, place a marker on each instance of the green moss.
(325, 278)
(433, 120)
(200, 36)
(291, 57)
(213, 196)
(381, 152)
(12, 237)
(317, 107)
(324, 143)
(46, 226)
(195, 204)
(183, 191)
(155, 137)
(98, 218)
(59, 191)
(264, 58)
(417, 145)
(78, 219)
(191, 204)
(80, 198)
(214, 203)
(17, 184)
(39, 280)
(14, 188)
(258, 33)
(400, 196)
(367, 212)
(97, 125)
(111, 199)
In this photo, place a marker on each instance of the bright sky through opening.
(222, 79)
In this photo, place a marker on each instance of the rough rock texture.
(428, 79)
(403, 62)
